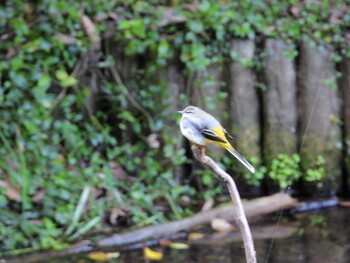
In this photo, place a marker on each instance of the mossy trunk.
(175, 81)
(319, 113)
(206, 90)
(279, 100)
(243, 100)
(344, 86)
(172, 77)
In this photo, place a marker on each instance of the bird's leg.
(199, 152)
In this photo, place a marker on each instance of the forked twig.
(240, 218)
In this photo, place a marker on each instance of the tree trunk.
(344, 85)
(175, 82)
(319, 113)
(243, 103)
(279, 100)
(243, 100)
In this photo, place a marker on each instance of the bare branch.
(240, 218)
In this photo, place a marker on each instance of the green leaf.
(195, 26)
(65, 80)
(207, 179)
(163, 49)
(138, 28)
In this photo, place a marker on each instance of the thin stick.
(240, 218)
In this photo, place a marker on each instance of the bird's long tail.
(241, 159)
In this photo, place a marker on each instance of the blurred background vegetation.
(88, 125)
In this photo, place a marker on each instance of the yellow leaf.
(102, 256)
(152, 254)
(179, 245)
(194, 235)
(113, 255)
(98, 256)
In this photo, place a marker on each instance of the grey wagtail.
(201, 128)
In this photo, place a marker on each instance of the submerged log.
(279, 100)
(319, 114)
(313, 205)
(253, 208)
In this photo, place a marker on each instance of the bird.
(201, 128)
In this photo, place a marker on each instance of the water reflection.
(317, 237)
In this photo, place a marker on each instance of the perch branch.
(240, 218)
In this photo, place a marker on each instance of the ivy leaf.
(65, 79)
(195, 26)
(163, 49)
(138, 28)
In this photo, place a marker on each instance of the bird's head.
(190, 111)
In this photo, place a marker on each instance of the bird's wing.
(228, 135)
(191, 130)
(213, 134)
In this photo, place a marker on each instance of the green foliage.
(256, 178)
(204, 30)
(285, 169)
(317, 172)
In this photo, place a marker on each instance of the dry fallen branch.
(253, 208)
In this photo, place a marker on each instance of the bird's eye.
(189, 111)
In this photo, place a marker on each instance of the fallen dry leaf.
(117, 170)
(165, 242)
(12, 192)
(221, 225)
(116, 213)
(344, 203)
(176, 245)
(194, 236)
(65, 39)
(90, 30)
(39, 196)
(102, 256)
